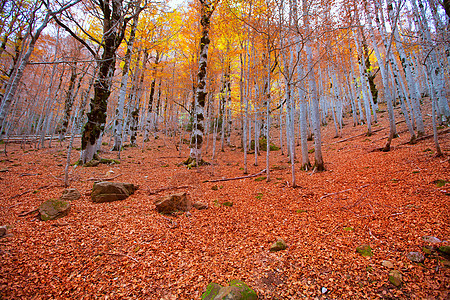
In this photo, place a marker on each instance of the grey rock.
(111, 191)
(415, 257)
(431, 239)
(53, 209)
(70, 195)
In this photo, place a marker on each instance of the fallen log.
(236, 178)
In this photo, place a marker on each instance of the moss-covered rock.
(237, 290)
(364, 250)
(395, 277)
(211, 291)
(279, 245)
(53, 209)
(227, 204)
(444, 249)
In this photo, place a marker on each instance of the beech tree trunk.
(196, 143)
(114, 26)
(119, 118)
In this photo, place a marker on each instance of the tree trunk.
(118, 124)
(196, 142)
(114, 26)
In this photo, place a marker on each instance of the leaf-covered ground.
(126, 250)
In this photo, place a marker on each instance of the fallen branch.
(29, 191)
(60, 224)
(397, 214)
(26, 213)
(364, 133)
(428, 136)
(28, 174)
(102, 179)
(340, 192)
(237, 178)
(169, 188)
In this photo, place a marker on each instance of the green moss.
(108, 161)
(440, 182)
(299, 211)
(348, 229)
(246, 292)
(395, 277)
(261, 178)
(259, 196)
(364, 250)
(444, 249)
(278, 246)
(211, 291)
(228, 203)
(311, 150)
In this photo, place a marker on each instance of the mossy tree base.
(96, 161)
(192, 163)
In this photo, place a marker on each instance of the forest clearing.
(127, 250)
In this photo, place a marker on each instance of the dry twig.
(331, 194)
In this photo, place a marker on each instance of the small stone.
(387, 264)
(444, 249)
(431, 239)
(3, 231)
(70, 195)
(415, 257)
(278, 246)
(200, 205)
(364, 250)
(395, 277)
(323, 290)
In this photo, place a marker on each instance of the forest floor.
(126, 250)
